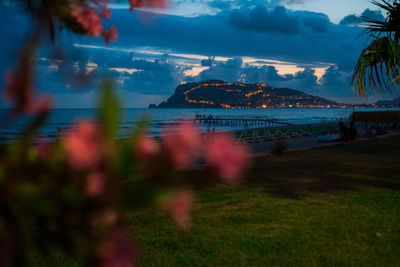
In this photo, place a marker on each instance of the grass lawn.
(332, 206)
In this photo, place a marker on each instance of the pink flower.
(89, 19)
(105, 218)
(156, 3)
(10, 87)
(183, 146)
(111, 34)
(106, 11)
(228, 158)
(180, 205)
(146, 147)
(108, 217)
(116, 251)
(135, 4)
(96, 184)
(147, 3)
(44, 148)
(14, 92)
(43, 105)
(17, 92)
(83, 146)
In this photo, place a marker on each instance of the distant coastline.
(217, 94)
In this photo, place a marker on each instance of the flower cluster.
(90, 19)
(221, 152)
(91, 22)
(83, 146)
(185, 146)
(227, 158)
(88, 179)
(72, 194)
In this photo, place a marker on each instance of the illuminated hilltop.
(220, 94)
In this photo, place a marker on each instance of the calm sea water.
(62, 119)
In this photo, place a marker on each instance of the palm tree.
(378, 68)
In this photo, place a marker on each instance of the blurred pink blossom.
(106, 11)
(12, 92)
(115, 251)
(111, 34)
(10, 87)
(108, 217)
(180, 206)
(146, 147)
(83, 146)
(156, 3)
(43, 104)
(44, 148)
(105, 218)
(184, 145)
(89, 19)
(96, 184)
(147, 3)
(228, 158)
(135, 4)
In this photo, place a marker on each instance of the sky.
(308, 45)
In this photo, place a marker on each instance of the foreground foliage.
(71, 195)
(67, 199)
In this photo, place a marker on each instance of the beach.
(308, 138)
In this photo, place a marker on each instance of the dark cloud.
(221, 5)
(350, 20)
(240, 4)
(216, 35)
(228, 71)
(373, 14)
(279, 20)
(260, 19)
(265, 74)
(153, 77)
(83, 72)
(208, 62)
(353, 20)
(334, 83)
(306, 38)
(317, 22)
(291, 2)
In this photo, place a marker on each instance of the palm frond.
(390, 26)
(377, 69)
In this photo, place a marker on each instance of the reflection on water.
(62, 119)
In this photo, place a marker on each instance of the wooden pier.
(239, 122)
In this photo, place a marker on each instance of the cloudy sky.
(308, 45)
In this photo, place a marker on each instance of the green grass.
(337, 206)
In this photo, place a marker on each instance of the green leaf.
(378, 68)
(128, 166)
(109, 109)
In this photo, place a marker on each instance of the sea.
(62, 120)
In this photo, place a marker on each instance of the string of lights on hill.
(220, 94)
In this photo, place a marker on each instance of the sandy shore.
(297, 137)
(309, 142)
